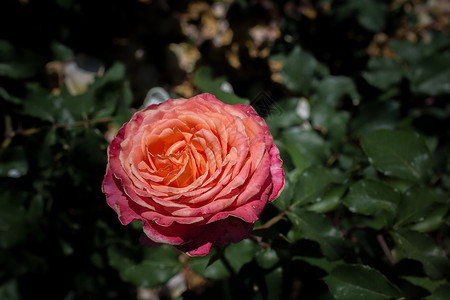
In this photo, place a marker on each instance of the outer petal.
(277, 172)
(117, 199)
(219, 233)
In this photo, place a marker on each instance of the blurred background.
(72, 72)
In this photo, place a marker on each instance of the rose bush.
(197, 172)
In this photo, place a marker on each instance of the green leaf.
(286, 119)
(298, 159)
(329, 201)
(12, 219)
(430, 77)
(103, 96)
(274, 284)
(87, 157)
(428, 64)
(284, 201)
(301, 70)
(203, 266)
(369, 197)
(420, 247)
(383, 72)
(351, 156)
(423, 282)
(203, 79)
(313, 184)
(309, 143)
(156, 268)
(267, 258)
(320, 262)
(360, 282)
(42, 104)
(379, 220)
(114, 73)
(333, 123)
(374, 116)
(8, 97)
(10, 290)
(241, 253)
(39, 147)
(17, 63)
(432, 219)
(401, 154)
(60, 51)
(371, 15)
(411, 52)
(441, 293)
(332, 89)
(413, 206)
(318, 227)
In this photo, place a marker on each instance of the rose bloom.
(197, 172)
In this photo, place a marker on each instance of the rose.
(197, 172)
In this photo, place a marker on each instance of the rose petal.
(277, 173)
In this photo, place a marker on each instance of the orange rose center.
(175, 157)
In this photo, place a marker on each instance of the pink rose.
(197, 172)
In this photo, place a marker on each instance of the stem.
(272, 221)
(385, 248)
